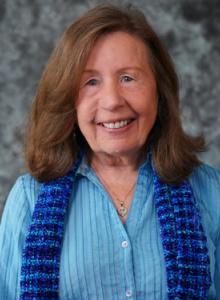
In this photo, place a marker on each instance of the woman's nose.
(111, 97)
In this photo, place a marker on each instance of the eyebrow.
(90, 71)
(118, 71)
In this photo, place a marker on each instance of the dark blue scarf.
(182, 235)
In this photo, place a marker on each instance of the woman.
(117, 204)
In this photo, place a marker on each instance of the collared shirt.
(102, 258)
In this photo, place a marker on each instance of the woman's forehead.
(119, 49)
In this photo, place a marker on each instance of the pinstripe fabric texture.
(107, 260)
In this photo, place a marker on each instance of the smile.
(116, 125)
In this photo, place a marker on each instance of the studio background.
(29, 30)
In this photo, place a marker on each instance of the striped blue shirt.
(102, 258)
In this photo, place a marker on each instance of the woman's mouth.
(117, 124)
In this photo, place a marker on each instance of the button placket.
(129, 286)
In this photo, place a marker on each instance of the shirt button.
(128, 293)
(124, 244)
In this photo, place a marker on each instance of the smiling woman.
(116, 203)
(117, 102)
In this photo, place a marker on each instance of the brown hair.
(50, 144)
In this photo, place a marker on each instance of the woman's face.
(117, 102)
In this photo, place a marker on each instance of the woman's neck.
(116, 163)
(116, 167)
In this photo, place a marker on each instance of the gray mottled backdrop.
(30, 29)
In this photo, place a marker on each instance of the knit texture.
(183, 240)
(41, 255)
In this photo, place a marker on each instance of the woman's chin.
(119, 151)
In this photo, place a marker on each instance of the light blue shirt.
(102, 258)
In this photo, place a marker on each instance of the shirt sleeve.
(217, 269)
(15, 221)
(206, 186)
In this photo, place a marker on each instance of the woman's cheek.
(131, 90)
(89, 91)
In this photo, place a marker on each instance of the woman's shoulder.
(206, 177)
(30, 185)
(23, 194)
(205, 182)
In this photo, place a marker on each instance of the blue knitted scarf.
(182, 235)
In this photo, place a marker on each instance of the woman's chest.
(102, 259)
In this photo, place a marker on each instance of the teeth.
(116, 124)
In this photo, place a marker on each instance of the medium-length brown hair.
(51, 142)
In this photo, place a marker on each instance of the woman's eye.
(92, 82)
(127, 78)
